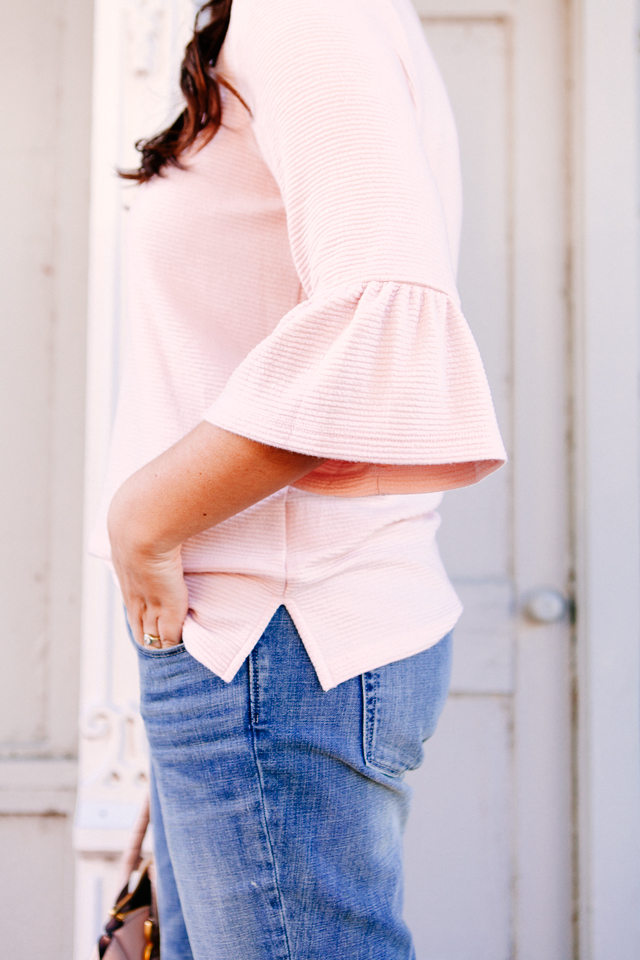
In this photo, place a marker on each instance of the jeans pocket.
(402, 703)
(160, 653)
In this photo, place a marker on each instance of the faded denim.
(278, 809)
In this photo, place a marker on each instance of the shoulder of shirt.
(278, 25)
(295, 11)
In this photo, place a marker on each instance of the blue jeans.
(278, 809)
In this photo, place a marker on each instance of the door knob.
(545, 605)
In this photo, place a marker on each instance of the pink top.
(296, 285)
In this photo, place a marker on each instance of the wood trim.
(605, 477)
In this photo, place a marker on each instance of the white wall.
(45, 79)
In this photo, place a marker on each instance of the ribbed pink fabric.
(296, 285)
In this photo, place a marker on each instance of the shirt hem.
(329, 674)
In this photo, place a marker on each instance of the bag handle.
(133, 853)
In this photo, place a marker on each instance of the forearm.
(205, 478)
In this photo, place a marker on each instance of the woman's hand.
(154, 593)
(152, 580)
(205, 478)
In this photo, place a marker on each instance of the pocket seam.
(370, 688)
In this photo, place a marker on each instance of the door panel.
(475, 534)
(488, 842)
(458, 891)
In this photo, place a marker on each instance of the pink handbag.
(132, 931)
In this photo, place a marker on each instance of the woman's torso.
(209, 276)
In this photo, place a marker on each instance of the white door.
(489, 840)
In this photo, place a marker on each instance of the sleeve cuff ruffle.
(383, 379)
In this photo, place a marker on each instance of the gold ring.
(149, 639)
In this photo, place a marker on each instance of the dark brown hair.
(200, 84)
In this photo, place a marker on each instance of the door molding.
(605, 475)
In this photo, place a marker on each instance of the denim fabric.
(278, 809)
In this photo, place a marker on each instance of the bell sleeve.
(376, 370)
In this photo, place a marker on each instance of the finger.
(164, 626)
(170, 629)
(134, 619)
(151, 636)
